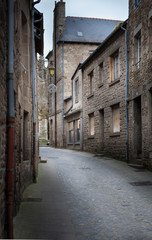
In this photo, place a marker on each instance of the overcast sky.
(107, 9)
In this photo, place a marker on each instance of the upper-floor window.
(137, 3)
(91, 83)
(77, 90)
(101, 73)
(137, 50)
(114, 66)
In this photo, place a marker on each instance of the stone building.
(75, 38)
(140, 82)
(73, 113)
(104, 116)
(18, 154)
(43, 79)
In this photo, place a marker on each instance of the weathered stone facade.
(23, 106)
(73, 113)
(106, 94)
(140, 82)
(43, 80)
(3, 110)
(71, 46)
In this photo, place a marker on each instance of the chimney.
(59, 18)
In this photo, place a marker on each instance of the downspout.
(55, 78)
(63, 87)
(11, 121)
(126, 97)
(34, 92)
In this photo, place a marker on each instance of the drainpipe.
(126, 96)
(11, 121)
(55, 117)
(63, 86)
(34, 92)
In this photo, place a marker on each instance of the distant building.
(75, 38)
(18, 121)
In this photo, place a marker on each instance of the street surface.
(79, 196)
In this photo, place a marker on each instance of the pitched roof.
(87, 30)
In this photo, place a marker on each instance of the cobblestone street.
(80, 196)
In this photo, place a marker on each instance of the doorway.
(137, 128)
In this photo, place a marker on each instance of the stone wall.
(3, 110)
(104, 96)
(74, 53)
(140, 83)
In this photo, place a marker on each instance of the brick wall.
(104, 96)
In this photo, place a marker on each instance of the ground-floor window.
(77, 130)
(71, 132)
(91, 124)
(116, 118)
(74, 131)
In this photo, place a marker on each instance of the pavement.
(82, 197)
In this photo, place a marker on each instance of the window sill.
(114, 82)
(91, 137)
(70, 143)
(117, 134)
(100, 85)
(91, 95)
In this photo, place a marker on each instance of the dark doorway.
(137, 128)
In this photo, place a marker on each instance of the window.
(26, 136)
(116, 118)
(114, 66)
(101, 73)
(91, 124)
(91, 83)
(138, 51)
(137, 3)
(77, 130)
(71, 132)
(76, 90)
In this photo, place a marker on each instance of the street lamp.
(52, 71)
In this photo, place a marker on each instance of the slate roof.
(87, 30)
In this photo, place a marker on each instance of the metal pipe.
(63, 87)
(55, 76)
(126, 96)
(11, 120)
(34, 92)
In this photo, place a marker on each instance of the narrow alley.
(80, 196)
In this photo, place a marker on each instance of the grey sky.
(107, 9)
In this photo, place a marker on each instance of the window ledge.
(70, 143)
(117, 134)
(100, 85)
(114, 82)
(91, 137)
(91, 95)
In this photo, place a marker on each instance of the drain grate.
(144, 183)
(32, 200)
(43, 161)
(85, 168)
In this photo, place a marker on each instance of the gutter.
(11, 122)
(126, 96)
(34, 92)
